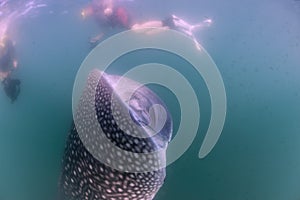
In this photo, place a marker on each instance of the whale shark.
(116, 148)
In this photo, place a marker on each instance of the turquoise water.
(255, 45)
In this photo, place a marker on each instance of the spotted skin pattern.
(85, 177)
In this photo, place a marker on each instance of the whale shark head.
(116, 148)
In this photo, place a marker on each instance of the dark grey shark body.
(84, 176)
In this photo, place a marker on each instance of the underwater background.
(255, 45)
